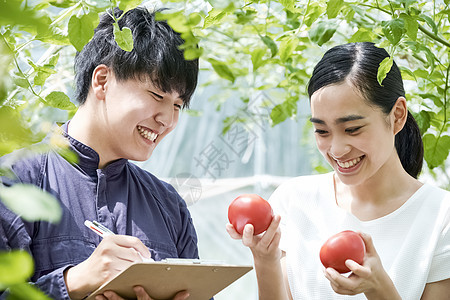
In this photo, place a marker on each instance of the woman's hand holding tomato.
(369, 278)
(265, 246)
(249, 216)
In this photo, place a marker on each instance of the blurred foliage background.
(247, 48)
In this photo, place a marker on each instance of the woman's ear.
(399, 114)
(100, 77)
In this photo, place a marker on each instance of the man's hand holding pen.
(114, 254)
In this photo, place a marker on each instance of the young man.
(129, 101)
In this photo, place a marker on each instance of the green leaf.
(245, 17)
(31, 203)
(287, 47)
(126, 5)
(270, 44)
(222, 69)
(192, 53)
(80, 30)
(178, 22)
(362, 35)
(215, 15)
(423, 120)
(436, 149)
(25, 291)
(288, 4)
(384, 68)
(393, 30)
(20, 81)
(257, 58)
(59, 100)
(123, 38)
(13, 132)
(430, 23)
(283, 111)
(407, 74)
(314, 12)
(322, 32)
(411, 24)
(13, 12)
(435, 98)
(41, 77)
(333, 8)
(15, 267)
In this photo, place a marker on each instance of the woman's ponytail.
(409, 146)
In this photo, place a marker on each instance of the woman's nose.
(339, 148)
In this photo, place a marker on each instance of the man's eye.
(178, 106)
(321, 132)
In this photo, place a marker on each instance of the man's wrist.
(74, 288)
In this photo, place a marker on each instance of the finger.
(110, 295)
(181, 295)
(141, 294)
(100, 297)
(268, 236)
(133, 242)
(368, 242)
(126, 241)
(336, 278)
(341, 291)
(232, 232)
(128, 248)
(247, 236)
(357, 269)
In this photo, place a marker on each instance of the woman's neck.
(380, 194)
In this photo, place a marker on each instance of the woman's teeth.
(147, 134)
(348, 164)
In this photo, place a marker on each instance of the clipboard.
(163, 279)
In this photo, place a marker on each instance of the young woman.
(366, 133)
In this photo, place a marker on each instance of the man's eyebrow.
(338, 120)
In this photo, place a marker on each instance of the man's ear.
(100, 78)
(399, 114)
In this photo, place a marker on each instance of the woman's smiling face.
(354, 137)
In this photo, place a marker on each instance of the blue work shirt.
(123, 197)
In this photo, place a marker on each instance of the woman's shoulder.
(303, 187)
(307, 182)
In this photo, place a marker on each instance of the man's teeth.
(349, 164)
(147, 134)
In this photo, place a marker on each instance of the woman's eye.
(178, 106)
(353, 129)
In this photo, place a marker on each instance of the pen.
(103, 231)
(98, 228)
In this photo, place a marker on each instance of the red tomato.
(250, 209)
(340, 247)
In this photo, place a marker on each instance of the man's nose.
(165, 116)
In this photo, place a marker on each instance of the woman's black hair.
(156, 55)
(358, 63)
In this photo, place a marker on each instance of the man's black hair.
(155, 56)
